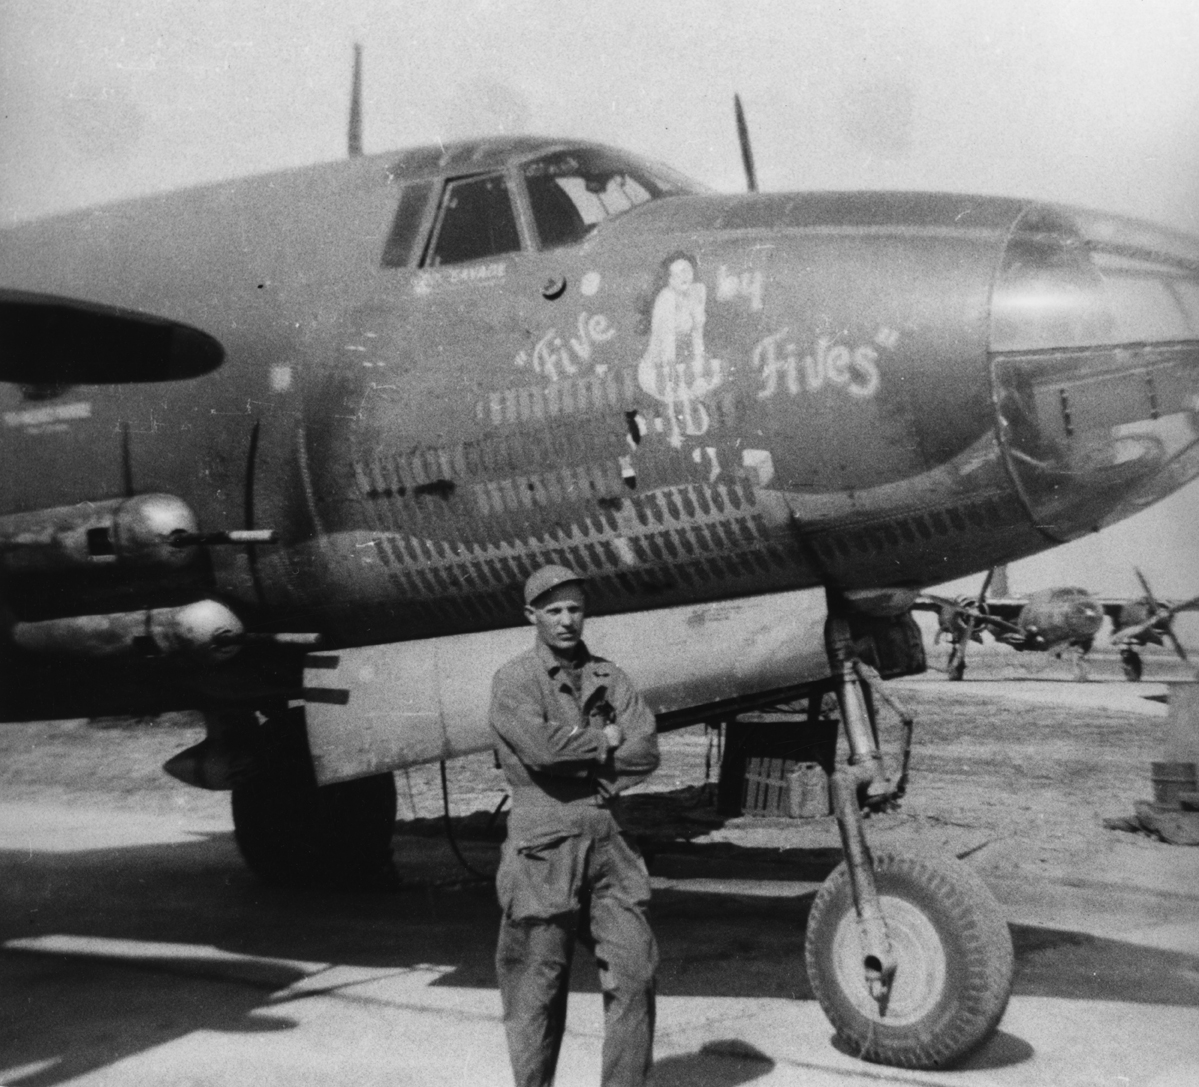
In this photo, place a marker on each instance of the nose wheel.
(952, 962)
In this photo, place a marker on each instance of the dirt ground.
(138, 950)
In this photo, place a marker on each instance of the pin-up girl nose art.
(675, 368)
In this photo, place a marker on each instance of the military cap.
(548, 577)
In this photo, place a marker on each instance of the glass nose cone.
(1094, 355)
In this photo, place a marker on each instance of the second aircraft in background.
(1055, 620)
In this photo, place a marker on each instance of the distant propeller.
(1160, 621)
(354, 136)
(966, 619)
(957, 662)
(1148, 591)
(747, 153)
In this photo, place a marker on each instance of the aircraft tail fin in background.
(354, 134)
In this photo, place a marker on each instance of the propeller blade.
(982, 593)
(1186, 605)
(1182, 653)
(1161, 619)
(747, 154)
(994, 624)
(968, 611)
(354, 136)
(1169, 626)
(1148, 591)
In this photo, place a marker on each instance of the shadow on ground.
(724, 1063)
(61, 1016)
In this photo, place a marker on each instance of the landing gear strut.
(956, 667)
(911, 960)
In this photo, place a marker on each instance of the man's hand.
(614, 736)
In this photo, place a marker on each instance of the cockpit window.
(402, 239)
(571, 191)
(475, 220)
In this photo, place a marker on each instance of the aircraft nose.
(1089, 617)
(1094, 350)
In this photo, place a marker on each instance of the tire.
(957, 668)
(955, 963)
(293, 833)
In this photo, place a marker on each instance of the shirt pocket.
(540, 876)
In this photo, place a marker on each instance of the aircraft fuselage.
(703, 397)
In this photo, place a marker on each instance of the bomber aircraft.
(284, 449)
(1055, 620)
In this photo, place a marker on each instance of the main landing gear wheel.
(954, 962)
(293, 833)
(1130, 661)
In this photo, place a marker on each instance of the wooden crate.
(784, 788)
(759, 741)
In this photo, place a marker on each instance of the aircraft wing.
(50, 340)
(1114, 605)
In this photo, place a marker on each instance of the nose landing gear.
(910, 958)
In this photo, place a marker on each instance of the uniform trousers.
(571, 874)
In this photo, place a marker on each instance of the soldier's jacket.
(564, 841)
(551, 742)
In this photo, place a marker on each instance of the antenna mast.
(747, 154)
(354, 138)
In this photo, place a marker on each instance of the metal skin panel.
(399, 705)
(824, 342)
(420, 438)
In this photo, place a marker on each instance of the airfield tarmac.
(135, 949)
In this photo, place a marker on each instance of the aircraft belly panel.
(929, 527)
(380, 708)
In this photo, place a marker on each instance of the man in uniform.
(571, 732)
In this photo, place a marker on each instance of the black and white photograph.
(615, 543)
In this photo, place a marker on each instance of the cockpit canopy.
(572, 191)
(567, 193)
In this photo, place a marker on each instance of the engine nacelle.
(204, 628)
(142, 531)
